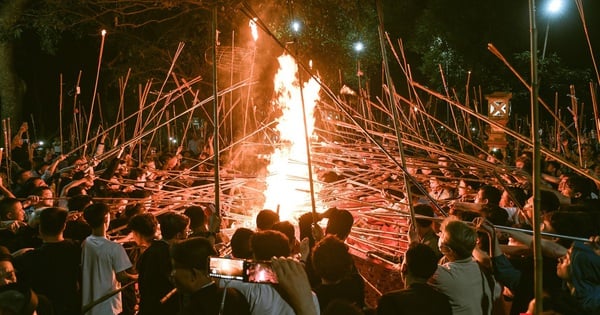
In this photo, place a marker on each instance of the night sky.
(41, 71)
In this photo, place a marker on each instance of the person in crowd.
(154, 265)
(53, 269)
(264, 298)
(190, 276)
(423, 231)
(265, 219)
(15, 233)
(333, 264)
(104, 264)
(468, 186)
(512, 200)
(288, 229)
(417, 297)
(240, 243)
(468, 287)
(198, 224)
(488, 194)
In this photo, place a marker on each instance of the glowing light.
(253, 28)
(103, 32)
(555, 6)
(359, 46)
(287, 182)
(41, 143)
(296, 26)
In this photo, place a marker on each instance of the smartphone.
(259, 272)
(225, 268)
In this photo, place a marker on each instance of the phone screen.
(225, 268)
(260, 272)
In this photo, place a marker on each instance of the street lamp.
(554, 8)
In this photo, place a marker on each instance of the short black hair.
(286, 228)
(53, 221)
(266, 218)
(420, 260)
(340, 223)
(6, 207)
(268, 244)
(424, 210)
(240, 243)
(171, 224)
(77, 203)
(193, 253)
(331, 259)
(145, 224)
(196, 215)
(95, 214)
(491, 193)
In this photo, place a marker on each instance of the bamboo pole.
(537, 241)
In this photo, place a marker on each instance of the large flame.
(288, 188)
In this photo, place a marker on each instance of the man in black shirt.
(53, 269)
(190, 275)
(418, 297)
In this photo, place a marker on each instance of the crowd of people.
(96, 249)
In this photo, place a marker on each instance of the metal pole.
(546, 39)
(395, 108)
(215, 40)
(537, 241)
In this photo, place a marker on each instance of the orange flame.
(253, 29)
(287, 183)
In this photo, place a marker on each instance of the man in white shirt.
(104, 264)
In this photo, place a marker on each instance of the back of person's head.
(268, 244)
(572, 222)
(265, 219)
(286, 228)
(424, 210)
(95, 214)
(495, 214)
(140, 194)
(331, 259)
(6, 207)
(53, 221)
(548, 201)
(192, 253)
(17, 299)
(133, 209)
(459, 237)
(145, 224)
(171, 224)
(196, 215)
(420, 261)
(581, 186)
(340, 224)
(240, 243)
(491, 193)
(79, 202)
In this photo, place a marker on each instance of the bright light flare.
(359, 46)
(287, 183)
(555, 6)
(296, 26)
(103, 32)
(253, 28)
